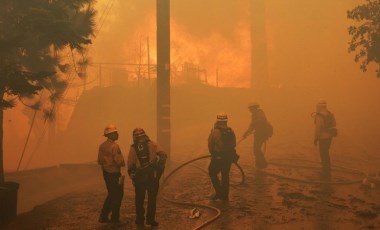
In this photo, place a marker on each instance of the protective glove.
(133, 178)
(246, 134)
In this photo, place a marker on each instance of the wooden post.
(217, 78)
(163, 74)
(100, 75)
(2, 177)
(148, 54)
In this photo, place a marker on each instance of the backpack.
(228, 138)
(329, 123)
(268, 130)
(229, 142)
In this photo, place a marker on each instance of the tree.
(34, 35)
(366, 36)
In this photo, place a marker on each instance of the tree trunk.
(1, 142)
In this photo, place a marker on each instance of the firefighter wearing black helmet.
(146, 164)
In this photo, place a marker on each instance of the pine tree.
(365, 38)
(33, 36)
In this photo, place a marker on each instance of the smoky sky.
(306, 41)
(307, 51)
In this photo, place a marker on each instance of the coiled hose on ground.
(218, 211)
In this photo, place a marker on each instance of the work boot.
(115, 218)
(139, 222)
(326, 175)
(215, 197)
(224, 198)
(261, 164)
(152, 223)
(104, 220)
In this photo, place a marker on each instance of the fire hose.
(218, 211)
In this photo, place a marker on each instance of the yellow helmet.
(110, 129)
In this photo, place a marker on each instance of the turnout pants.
(146, 184)
(222, 186)
(260, 160)
(324, 148)
(115, 195)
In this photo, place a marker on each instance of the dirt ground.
(267, 199)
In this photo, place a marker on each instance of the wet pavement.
(263, 202)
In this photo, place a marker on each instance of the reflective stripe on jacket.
(154, 152)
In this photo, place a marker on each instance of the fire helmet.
(322, 102)
(109, 129)
(138, 132)
(253, 104)
(222, 117)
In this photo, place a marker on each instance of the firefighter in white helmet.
(221, 145)
(146, 164)
(111, 160)
(261, 129)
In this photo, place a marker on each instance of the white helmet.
(110, 129)
(253, 104)
(322, 102)
(222, 117)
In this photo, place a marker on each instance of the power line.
(27, 139)
(37, 145)
(71, 78)
(103, 19)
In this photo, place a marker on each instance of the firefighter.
(325, 130)
(111, 160)
(221, 145)
(261, 130)
(146, 164)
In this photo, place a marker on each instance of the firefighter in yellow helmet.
(111, 161)
(146, 164)
(221, 145)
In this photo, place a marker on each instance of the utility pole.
(217, 78)
(100, 75)
(139, 72)
(163, 74)
(259, 66)
(2, 176)
(148, 55)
